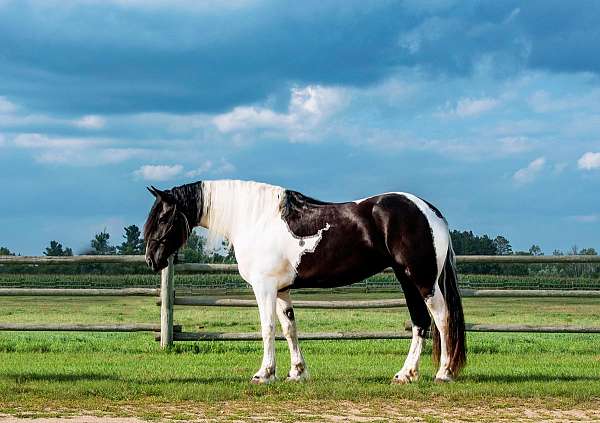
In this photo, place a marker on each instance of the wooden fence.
(167, 331)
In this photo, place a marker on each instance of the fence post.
(167, 297)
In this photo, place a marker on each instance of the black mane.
(295, 203)
(187, 198)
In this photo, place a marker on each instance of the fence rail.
(216, 267)
(167, 332)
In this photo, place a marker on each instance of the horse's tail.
(457, 347)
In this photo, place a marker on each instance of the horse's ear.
(161, 195)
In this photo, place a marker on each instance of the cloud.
(76, 151)
(6, 106)
(308, 107)
(587, 218)
(244, 118)
(158, 172)
(91, 122)
(589, 161)
(41, 141)
(220, 56)
(467, 107)
(528, 174)
(222, 167)
(515, 145)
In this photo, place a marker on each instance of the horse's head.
(166, 229)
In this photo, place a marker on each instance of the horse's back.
(363, 238)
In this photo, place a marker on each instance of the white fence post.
(167, 296)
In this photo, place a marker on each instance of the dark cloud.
(102, 57)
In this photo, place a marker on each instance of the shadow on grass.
(70, 377)
(539, 377)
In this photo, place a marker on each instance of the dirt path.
(334, 412)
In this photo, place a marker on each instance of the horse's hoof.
(445, 379)
(258, 380)
(404, 378)
(297, 378)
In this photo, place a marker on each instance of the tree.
(223, 254)
(100, 245)
(56, 249)
(588, 252)
(133, 244)
(6, 252)
(535, 250)
(469, 244)
(503, 247)
(194, 249)
(557, 252)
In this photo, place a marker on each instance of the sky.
(489, 110)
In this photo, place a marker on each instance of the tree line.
(467, 243)
(195, 250)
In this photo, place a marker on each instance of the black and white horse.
(283, 239)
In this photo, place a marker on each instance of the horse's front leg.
(266, 296)
(285, 313)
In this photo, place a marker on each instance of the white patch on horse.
(439, 312)
(410, 370)
(439, 230)
(306, 244)
(439, 227)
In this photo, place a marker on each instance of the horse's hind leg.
(420, 324)
(285, 313)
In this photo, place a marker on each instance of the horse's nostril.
(149, 261)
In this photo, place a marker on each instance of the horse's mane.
(188, 198)
(230, 203)
(294, 203)
(304, 215)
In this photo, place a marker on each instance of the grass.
(128, 372)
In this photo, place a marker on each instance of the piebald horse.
(283, 239)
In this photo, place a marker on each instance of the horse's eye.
(163, 219)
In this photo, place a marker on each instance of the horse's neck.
(230, 205)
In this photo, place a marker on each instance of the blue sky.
(490, 110)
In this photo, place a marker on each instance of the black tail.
(457, 346)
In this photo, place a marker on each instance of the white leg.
(265, 297)
(285, 313)
(410, 371)
(439, 312)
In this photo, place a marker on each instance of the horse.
(283, 240)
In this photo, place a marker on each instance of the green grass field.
(128, 373)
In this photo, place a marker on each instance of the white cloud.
(589, 161)
(6, 106)
(466, 107)
(203, 169)
(244, 118)
(210, 167)
(40, 141)
(76, 151)
(543, 101)
(586, 218)
(94, 157)
(308, 108)
(515, 145)
(158, 172)
(91, 122)
(529, 173)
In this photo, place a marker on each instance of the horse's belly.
(338, 266)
